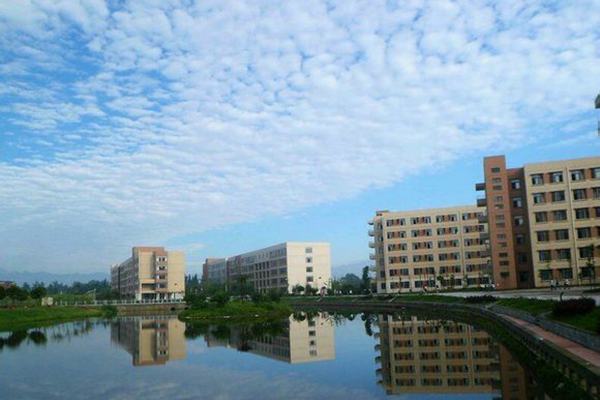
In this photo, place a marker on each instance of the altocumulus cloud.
(133, 122)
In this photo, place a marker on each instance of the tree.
(16, 293)
(38, 292)
(366, 279)
(220, 298)
(298, 289)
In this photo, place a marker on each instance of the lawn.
(23, 318)
(238, 309)
(532, 306)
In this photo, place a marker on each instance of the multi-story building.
(544, 221)
(215, 270)
(151, 273)
(279, 267)
(425, 356)
(151, 340)
(428, 248)
(302, 341)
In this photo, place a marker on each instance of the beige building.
(152, 273)
(279, 267)
(544, 221)
(425, 248)
(422, 356)
(215, 270)
(151, 340)
(306, 341)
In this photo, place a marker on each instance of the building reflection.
(302, 339)
(430, 356)
(151, 340)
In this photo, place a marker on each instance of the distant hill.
(22, 277)
(355, 268)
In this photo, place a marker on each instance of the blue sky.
(219, 127)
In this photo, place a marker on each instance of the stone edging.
(568, 332)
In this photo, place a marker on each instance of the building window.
(309, 269)
(497, 187)
(596, 192)
(519, 220)
(559, 215)
(382, 285)
(564, 254)
(545, 274)
(541, 216)
(586, 252)
(517, 202)
(558, 196)
(539, 198)
(520, 239)
(498, 199)
(556, 177)
(537, 179)
(498, 206)
(515, 183)
(577, 175)
(310, 279)
(500, 217)
(579, 194)
(561, 234)
(495, 170)
(544, 255)
(496, 180)
(584, 233)
(596, 173)
(309, 259)
(543, 236)
(308, 250)
(582, 213)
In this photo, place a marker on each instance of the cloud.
(136, 123)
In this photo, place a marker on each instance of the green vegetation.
(238, 309)
(12, 319)
(532, 306)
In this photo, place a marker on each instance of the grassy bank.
(24, 318)
(238, 309)
(531, 306)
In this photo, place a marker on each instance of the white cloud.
(165, 120)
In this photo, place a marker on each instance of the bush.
(220, 298)
(275, 296)
(573, 307)
(257, 297)
(480, 299)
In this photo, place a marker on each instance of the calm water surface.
(319, 356)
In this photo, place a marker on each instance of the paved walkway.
(578, 350)
(542, 294)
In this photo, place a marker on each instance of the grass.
(532, 306)
(23, 318)
(238, 309)
(587, 322)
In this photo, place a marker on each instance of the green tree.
(16, 293)
(220, 299)
(366, 279)
(38, 292)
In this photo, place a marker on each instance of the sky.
(218, 127)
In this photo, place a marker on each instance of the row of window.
(430, 257)
(453, 230)
(428, 219)
(565, 254)
(577, 175)
(429, 245)
(559, 195)
(561, 215)
(445, 269)
(563, 234)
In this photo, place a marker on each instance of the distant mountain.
(22, 277)
(355, 268)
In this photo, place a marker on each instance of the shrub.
(257, 297)
(480, 299)
(275, 296)
(573, 307)
(220, 298)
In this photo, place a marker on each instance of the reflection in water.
(151, 340)
(300, 339)
(39, 336)
(421, 355)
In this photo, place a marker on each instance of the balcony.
(370, 221)
(483, 219)
(479, 186)
(482, 202)
(372, 245)
(371, 232)
(372, 256)
(378, 359)
(484, 236)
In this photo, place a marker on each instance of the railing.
(116, 302)
(371, 232)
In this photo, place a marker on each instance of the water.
(318, 356)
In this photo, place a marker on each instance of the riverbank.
(238, 309)
(555, 365)
(12, 319)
